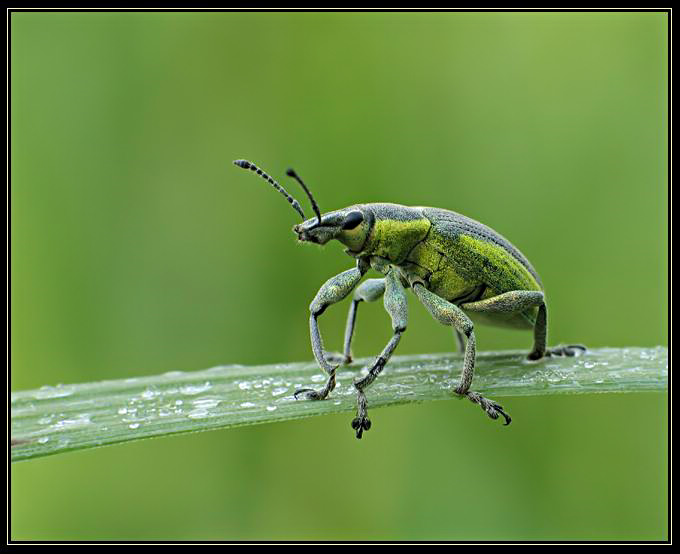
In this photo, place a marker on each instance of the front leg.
(332, 291)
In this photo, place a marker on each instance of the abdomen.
(480, 254)
(474, 263)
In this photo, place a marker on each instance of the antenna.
(315, 207)
(245, 164)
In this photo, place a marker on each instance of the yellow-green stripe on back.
(479, 253)
(495, 265)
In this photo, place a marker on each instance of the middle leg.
(449, 314)
(396, 305)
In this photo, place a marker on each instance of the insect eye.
(352, 220)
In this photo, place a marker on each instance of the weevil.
(461, 270)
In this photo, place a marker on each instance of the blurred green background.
(137, 248)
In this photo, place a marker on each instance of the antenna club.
(245, 164)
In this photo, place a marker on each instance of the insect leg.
(516, 302)
(449, 314)
(369, 291)
(332, 291)
(397, 306)
(540, 333)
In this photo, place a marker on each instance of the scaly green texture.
(393, 239)
(58, 419)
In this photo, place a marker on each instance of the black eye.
(352, 220)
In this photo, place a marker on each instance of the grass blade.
(58, 419)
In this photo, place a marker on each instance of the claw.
(568, 350)
(361, 424)
(499, 409)
(573, 349)
(300, 391)
(492, 409)
(311, 394)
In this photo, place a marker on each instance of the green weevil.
(461, 270)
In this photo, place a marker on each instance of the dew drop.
(206, 403)
(149, 393)
(79, 421)
(195, 389)
(198, 414)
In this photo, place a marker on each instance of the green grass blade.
(58, 419)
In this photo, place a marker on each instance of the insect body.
(461, 270)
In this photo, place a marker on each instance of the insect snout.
(297, 229)
(303, 234)
(311, 231)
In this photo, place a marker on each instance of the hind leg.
(516, 302)
(539, 339)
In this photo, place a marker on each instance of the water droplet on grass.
(191, 390)
(79, 421)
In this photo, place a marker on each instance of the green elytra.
(461, 270)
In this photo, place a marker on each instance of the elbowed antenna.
(315, 207)
(245, 164)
